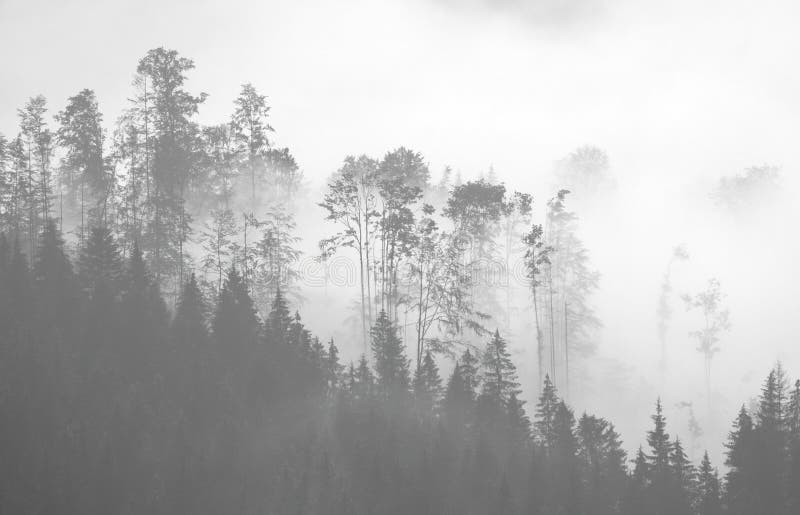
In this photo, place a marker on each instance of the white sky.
(468, 85)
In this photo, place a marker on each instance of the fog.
(678, 94)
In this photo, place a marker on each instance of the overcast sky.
(514, 84)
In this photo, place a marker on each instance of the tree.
(391, 364)
(427, 385)
(740, 495)
(175, 157)
(569, 282)
(350, 202)
(83, 168)
(536, 255)
(708, 489)
(38, 148)
(546, 412)
(235, 323)
(664, 311)
(218, 245)
(684, 480)
(499, 373)
(190, 327)
(716, 320)
(277, 255)
(439, 285)
(279, 321)
(516, 214)
(602, 462)
(585, 170)
(220, 159)
(100, 261)
(475, 209)
(458, 402)
(250, 130)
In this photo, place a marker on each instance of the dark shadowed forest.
(153, 356)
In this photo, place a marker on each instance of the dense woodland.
(153, 359)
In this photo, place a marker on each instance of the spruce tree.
(499, 372)
(279, 321)
(740, 492)
(235, 323)
(546, 412)
(391, 364)
(427, 384)
(708, 489)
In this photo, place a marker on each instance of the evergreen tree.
(189, 327)
(391, 364)
(100, 263)
(499, 373)
(635, 500)
(740, 493)
(235, 323)
(708, 489)
(683, 480)
(279, 321)
(427, 385)
(459, 400)
(546, 412)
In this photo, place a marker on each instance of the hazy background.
(677, 93)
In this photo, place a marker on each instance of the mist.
(687, 102)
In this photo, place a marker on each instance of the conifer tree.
(683, 480)
(427, 384)
(708, 489)
(391, 364)
(458, 402)
(740, 493)
(546, 412)
(635, 500)
(279, 321)
(189, 327)
(499, 371)
(235, 323)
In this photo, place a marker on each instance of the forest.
(153, 357)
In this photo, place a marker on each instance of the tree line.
(112, 404)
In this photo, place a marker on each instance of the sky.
(677, 93)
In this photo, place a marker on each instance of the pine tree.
(708, 489)
(546, 412)
(279, 321)
(499, 372)
(602, 461)
(391, 364)
(235, 323)
(55, 282)
(99, 263)
(635, 500)
(740, 493)
(189, 327)
(793, 425)
(427, 385)
(144, 319)
(661, 476)
(333, 370)
(684, 480)
(519, 424)
(459, 401)
(469, 372)
(563, 456)
(770, 437)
